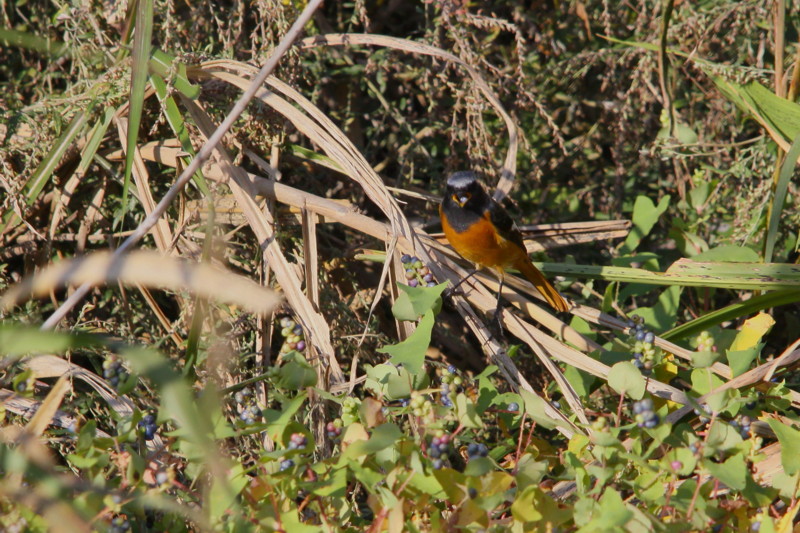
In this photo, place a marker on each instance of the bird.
(481, 231)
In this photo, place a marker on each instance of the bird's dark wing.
(504, 224)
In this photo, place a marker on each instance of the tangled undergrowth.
(297, 357)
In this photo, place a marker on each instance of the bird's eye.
(462, 198)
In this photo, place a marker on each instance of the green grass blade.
(741, 276)
(142, 38)
(166, 66)
(732, 312)
(48, 165)
(22, 39)
(779, 198)
(95, 138)
(178, 125)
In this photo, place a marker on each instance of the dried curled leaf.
(149, 269)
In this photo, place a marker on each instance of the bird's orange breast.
(480, 243)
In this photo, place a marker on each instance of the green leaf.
(278, 420)
(581, 381)
(790, 444)
(704, 359)
(779, 196)
(721, 438)
(611, 513)
(382, 437)
(479, 466)
(530, 472)
(774, 113)
(142, 42)
(684, 456)
(394, 382)
(411, 352)
(414, 302)
(626, 379)
(17, 340)
(176, 122)
(164, 65)
(43, 45)
(525, 505)
(732, 472)
(467, 413)
(740, 360)
(645, 216)
(731, 312)
(296, 374)
(535, 406)
(728, 253)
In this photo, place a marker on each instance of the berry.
(286, 464)
(513, 406)
(475, 450)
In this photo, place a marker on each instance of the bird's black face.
(464, 191)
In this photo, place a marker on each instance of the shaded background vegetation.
(601, 123)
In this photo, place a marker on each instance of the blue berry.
(640, 335)
(437, 464)
(513, 406)
(405, 259)
(286, 464)
(649, 337)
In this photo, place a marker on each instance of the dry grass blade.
(161, 231)
(321, 130)
(202, 155)
(151, 270)
(47, 409)
(510, 163)
(27, 407)
(314, 324)
(49, 366)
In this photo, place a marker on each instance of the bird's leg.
(498, 311)
(452, 290)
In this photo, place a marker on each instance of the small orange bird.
(482, 232)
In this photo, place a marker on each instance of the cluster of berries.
(475, 450)
(249, 410)
(350, 408)
(417, 273)
(334, 429)
(113, 371)
(297, 441)
(644, 415)
(450, 381)
(705, 342)
(293, 333)
(742, 424)
(120, 524)
(439, 448)
(420, 405)
(644, 351)
(147, 426)
(704, 415)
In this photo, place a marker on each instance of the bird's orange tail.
(540, 282)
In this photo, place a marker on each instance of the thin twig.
(203, 155)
